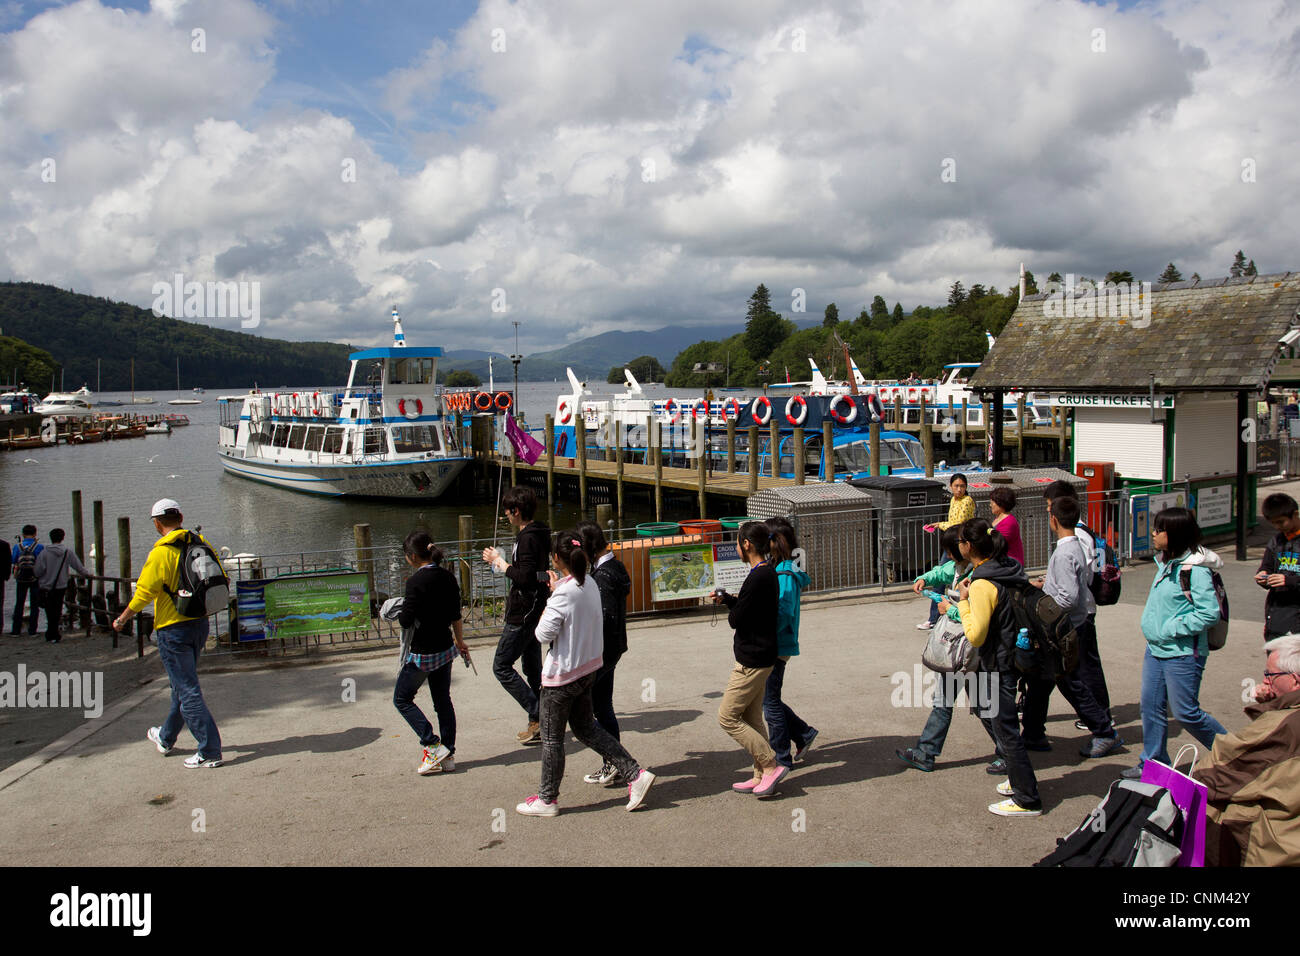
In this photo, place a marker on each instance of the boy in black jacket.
(1279, 571)
(526, 570)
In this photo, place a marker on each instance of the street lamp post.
(514, 360)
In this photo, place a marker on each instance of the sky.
(579, 166)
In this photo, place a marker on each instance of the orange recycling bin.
(635, 555)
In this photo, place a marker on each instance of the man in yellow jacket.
(180, 640)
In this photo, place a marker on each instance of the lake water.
(245, 516)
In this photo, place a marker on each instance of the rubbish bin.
(906, 506)
(1030, 510)
(835, 526)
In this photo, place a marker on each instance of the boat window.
(315, 435)
(415, 438)
(296, 435)
(281, 436)
(333, 444)
(973, 415)
(410, 371)
(375, 444)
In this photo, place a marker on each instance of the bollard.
(365, 557)
(828, 451)
(604, 515)
(753, 458)
(797, 438)
(874, 432)
(550, 457)
(465, 534)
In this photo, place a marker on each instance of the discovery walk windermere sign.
(1111, 400)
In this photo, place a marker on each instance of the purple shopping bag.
(1191, 798)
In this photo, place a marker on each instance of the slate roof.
(1207, 335)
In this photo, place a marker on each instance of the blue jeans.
(571, 704)
(179, 647)
(409, 681)
(1006, 731)
(519, 641)
(1173, 682)
(27, 594)
(936, 726)
(783, 724)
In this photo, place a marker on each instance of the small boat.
(176, 419)
(77, 404)
(122, 430)
(186, 401)
(158, 428)
(32, 441)
(142, 400)
(87, 437)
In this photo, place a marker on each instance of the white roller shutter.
(1205, 437)
(1126, 436)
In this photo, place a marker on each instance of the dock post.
(797, 438)
(605, 517)
(124, 572)
(657, 429)
(962, 453)
(1020, 432)
(774, 447)
(550, 459)
(618, 466)
(79, 548)
(464, 535)
(753, 458)
(97, 523)
(927, 439)
(899, 423)
(365, 557)
(828, 451)
(731, 446)
(874, 433)
(580, 439)
(701, 460)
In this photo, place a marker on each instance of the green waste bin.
(658, 529)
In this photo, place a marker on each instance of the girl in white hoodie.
(573, 626)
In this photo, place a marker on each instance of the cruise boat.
(386, 437)
(76, 404)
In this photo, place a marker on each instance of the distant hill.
(78, 329)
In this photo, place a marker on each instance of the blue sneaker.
(914, 758)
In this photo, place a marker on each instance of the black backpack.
(202, 587)
(1054, 643)
(1217, 634)
(1105, 584)
(25, 566)
(1136, 824)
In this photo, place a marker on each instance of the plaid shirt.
(431, 662)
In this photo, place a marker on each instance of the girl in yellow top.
(960, 509)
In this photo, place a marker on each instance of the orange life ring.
(911, 396)
(564, 411)
(695, 410)
(500, 397)
(766, 403)
(925, 394)
(803, 410)
(852, 415)
(415, 412)
(876, 407)
(731, 410)
(672, 410)
(482, 402)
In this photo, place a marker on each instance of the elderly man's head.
(1282, 668)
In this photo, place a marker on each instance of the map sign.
(316, 604)
(694, 570)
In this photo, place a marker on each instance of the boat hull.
(418, 480)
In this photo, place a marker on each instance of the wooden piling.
(964, 416)
(365, 556)
(701, 462)
(605, 516)
(927, 439)
(899, 423)
(731, 446)
(465, 534)
(659, 468)
(828, 451)
(618, 465)
(580, 437)
(550, 458)
(797, 438)
(81, 593)
(1021, 431)
(97, 523)
(124, 572)
(753, 458)
(774, 430)
(874, 438)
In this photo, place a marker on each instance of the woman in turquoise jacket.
(1174, 624)
(784, 726)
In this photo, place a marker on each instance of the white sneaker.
(1004, 788)
(433, 756)
(535, 806)
(638, 788)
(924, 625)
(1009, 808)
(196, 761)
(604, 775)
(155, 734)
(448, 765)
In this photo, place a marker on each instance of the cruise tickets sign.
(1111, 400)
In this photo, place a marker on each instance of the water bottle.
(1024, 652)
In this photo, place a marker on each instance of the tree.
(1055, 277)
(764, 332)
(1238, 265)
(1116, 277)
(645, 368)
(1031, 284)
(878, 307)
(956, 295)
(1171, 274)
(832, 316)
(760, 302)
(461, 377)
(898, 313)
(976, 293)
(1250, 269)
(864, 318)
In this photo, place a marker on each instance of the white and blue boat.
(386, 437)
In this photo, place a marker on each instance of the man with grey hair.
(1253, 775)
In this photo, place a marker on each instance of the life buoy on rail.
(925, 395)
(796, 420)
(876, 407)
(764, 403)
(415, 409)
(502, 402)
(695, 410)
(482, 402)
(564, 411)
(672, 412)
(731, 410)
(911, 396)
(842, 418)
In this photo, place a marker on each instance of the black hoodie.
(997, 653)
(528, 592)
(614, 583)
(1282, 605)
(754, 615)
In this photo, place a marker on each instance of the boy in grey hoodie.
(54, 565)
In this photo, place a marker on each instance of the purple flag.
(527, 448)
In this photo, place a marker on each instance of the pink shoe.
(746, 787)
(767, 786)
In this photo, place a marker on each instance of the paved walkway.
(312, 779)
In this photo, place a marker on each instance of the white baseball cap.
(162, 506)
